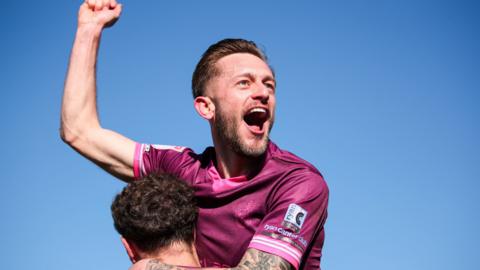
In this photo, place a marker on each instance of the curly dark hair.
(155, 212)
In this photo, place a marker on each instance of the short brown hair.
(205, 69)
(155, 212)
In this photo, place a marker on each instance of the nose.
(262, 93)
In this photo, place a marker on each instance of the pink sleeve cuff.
(138, 161)
(277, 247)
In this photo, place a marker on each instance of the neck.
(230, 164)
(180, 254)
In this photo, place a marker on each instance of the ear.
(205, 107)
(130, 248)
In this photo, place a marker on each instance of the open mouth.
(255, 119)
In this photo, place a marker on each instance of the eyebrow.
(252, 77)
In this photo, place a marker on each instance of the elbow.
(72, 130)
(67, 135)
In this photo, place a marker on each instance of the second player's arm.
(256, 259)
(252, 260)
(80, 126)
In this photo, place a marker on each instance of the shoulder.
(295, 168)
(287, 157)
(174, 151)
(302, 184)
(156, 158)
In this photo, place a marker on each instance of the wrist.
(89, 29)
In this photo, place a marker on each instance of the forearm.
(79, 112)
(253, 259)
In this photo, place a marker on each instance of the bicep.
(111, 151)
(256, 259)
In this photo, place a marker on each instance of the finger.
(118, 10)
(91, 4)
(98, 5)
(113, 4)
(106, 5)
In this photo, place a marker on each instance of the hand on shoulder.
(140, 265)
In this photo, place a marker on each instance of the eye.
(243, 83)
(270, 86)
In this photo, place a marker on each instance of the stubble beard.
(227, 130)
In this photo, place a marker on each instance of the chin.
(255, 149)
(238, 137)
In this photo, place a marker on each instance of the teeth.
(254, 110)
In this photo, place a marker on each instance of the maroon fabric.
(286, 191)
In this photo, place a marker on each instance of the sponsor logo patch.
(168, 147)
(284, 235)
(294, 217)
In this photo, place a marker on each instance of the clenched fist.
(103, 13)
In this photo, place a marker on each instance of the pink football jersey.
(281, 210)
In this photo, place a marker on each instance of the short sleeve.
(154, 158)
(295, 213)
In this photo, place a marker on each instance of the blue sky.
(381, 96)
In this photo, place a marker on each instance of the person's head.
(154, 214)
(234, 89)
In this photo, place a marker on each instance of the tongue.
(256, 128)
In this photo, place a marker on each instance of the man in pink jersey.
(259, 206)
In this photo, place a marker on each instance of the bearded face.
(227, 128)
(243, 97)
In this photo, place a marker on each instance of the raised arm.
(80, 126)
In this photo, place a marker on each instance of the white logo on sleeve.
(295, 216)
(168, 147)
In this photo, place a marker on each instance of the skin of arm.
(80, 127)
(253, 259)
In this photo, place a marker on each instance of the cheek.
(233, 104)
(273, 104)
